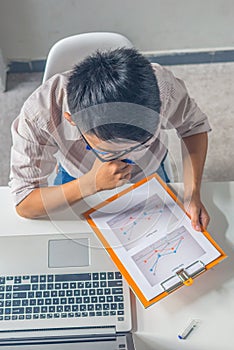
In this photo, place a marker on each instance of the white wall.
(28, 28)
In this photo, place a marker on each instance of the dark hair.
(121, 75)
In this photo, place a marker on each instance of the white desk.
(210, 299)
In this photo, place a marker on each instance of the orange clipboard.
(184, 276)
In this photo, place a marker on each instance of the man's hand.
(199, 216)
(108, 175)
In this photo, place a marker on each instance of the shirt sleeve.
(181, 111)
(32, 157)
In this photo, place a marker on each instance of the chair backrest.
(69, 51)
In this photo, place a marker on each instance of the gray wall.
(28, 28)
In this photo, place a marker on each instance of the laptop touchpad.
(68, 252)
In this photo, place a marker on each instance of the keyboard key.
(17, 310)
(98, 307)
(21, 287)
(43, 278)
(114, 306)
(102, 275)
(10, 278)
(106, 307)
(50, 278)
(118, 298)
(51, 308)
(95, 276)
(16, 302)
(117, 290)
(73, 277)
(116, 283)
(42, 286)
(118, 275)
(120, 312)
(34, 279)
(55, 301)
(75, 307)
(83, 307)
(20, 295)
(110, 275)
(2, 280)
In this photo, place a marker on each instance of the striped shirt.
(42, 137)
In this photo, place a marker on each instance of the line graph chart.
(142, 220)
(158, 260)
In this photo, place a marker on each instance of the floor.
(211, 85)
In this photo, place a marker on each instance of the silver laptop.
(63, 291)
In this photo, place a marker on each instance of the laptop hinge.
(56, 335)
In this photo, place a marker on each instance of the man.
(103, 123)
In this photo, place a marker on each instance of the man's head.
(113, 95)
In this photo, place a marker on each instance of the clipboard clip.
(183, 276)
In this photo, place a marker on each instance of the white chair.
(69, 51)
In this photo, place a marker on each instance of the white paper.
(152, 236)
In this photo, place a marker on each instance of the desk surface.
(210, 299)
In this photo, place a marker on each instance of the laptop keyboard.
(61, 296)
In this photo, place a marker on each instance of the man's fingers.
(195, 218)
(204, 218)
